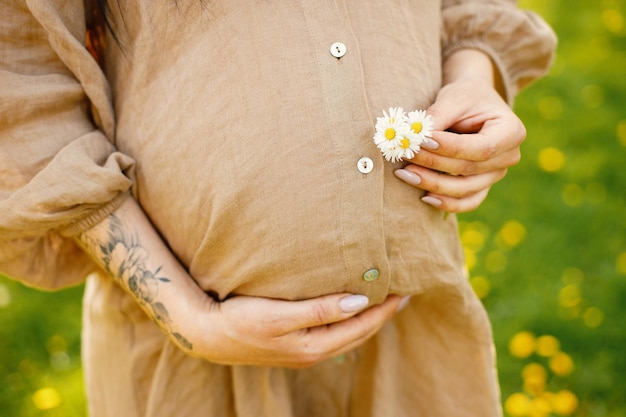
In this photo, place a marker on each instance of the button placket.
(341, 81)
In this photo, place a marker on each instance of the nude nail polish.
(408, 176)
(432, 201)
(403, 303)
(430, 144)
(353, 303)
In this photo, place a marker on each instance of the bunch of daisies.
(399, 135)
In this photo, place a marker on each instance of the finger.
(456, 205)
(448, 185)
(343, 336)
(496, 137)
(445, 113)
(464, 167)
(289, 316)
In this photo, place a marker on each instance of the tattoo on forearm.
(124, 258)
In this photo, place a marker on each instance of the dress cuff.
(520, 44)
(94, 217)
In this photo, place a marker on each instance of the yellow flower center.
(390, 133)
(417, 127)
(404, 143)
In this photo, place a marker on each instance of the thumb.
(444, 112)
(322, 310)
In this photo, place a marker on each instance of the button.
(338, 49)
(371, 275)
(365, 165)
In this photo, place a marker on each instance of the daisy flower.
(391, 129)
(410, 145)
(399, 136)
(421, 124)
(393, 152)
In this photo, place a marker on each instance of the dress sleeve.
(519, 42)
(59, 170)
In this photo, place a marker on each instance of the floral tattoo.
(124, 258)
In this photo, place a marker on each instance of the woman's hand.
(241, 330)
(293, 334)
(476, 137)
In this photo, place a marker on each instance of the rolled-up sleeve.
(59, 170)
(519, 42)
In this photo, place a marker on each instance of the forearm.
(127, 246)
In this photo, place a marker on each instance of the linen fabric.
(239, 134)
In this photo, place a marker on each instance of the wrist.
(129, 249)
(472, 64)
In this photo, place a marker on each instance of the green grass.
(566, 278)
(40, 350)
(559, 269)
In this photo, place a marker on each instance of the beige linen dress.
(240, 134)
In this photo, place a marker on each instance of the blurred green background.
(546, 252)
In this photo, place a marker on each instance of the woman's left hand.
(476, 138)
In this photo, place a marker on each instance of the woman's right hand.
(241, 330)
(259, 331)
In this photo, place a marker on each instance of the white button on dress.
(365, 165)
(338, 49)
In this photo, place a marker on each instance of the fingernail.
(431, 200)
(430, 144)
(403, 303)
(353, 303)
(408, 176)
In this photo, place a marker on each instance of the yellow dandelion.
(561, 364)
(517, 405)
(473, 238)
(564, 403)
(534, 370)
(522, 344)
(547, 345)
(551, 159)
(512, 233)
(613, 20)
(540, 407)
(534, 385)
(46, 398)
(570, 296)
(535, 377)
